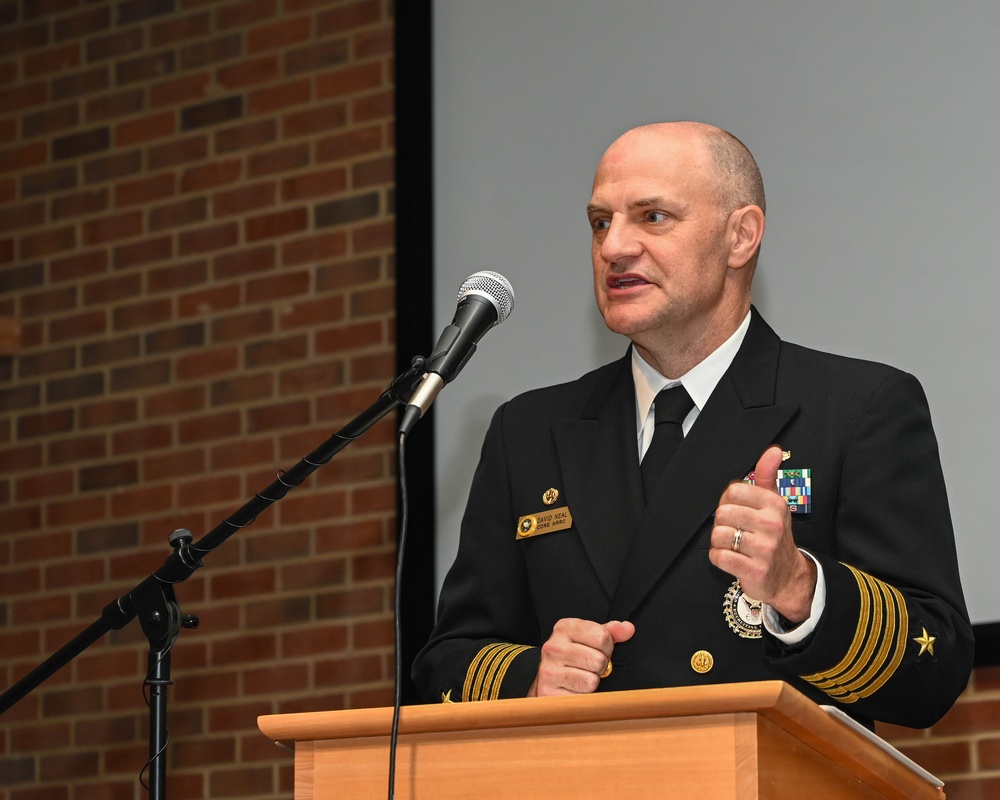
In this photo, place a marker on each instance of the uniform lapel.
(739, 421)
(598, 453)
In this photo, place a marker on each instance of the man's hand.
(575, 656)
(769, 565)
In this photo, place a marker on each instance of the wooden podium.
(764, 741)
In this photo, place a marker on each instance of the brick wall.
(196, 236)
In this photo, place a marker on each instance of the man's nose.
(620, 240)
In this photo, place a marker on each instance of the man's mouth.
(625, 282)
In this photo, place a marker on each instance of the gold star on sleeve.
(446, 697)
(926, 643)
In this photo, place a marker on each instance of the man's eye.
(655, 216)
(600, 224)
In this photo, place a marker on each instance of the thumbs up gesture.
(752, 539)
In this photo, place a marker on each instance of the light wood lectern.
(764, 741)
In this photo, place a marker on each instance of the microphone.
(484, 301)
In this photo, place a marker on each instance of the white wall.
(875, 126)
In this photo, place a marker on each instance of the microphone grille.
(493, 286)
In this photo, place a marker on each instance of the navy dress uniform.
(557, 526)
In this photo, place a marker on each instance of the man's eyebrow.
(644, 202)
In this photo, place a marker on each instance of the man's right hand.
(576, 655)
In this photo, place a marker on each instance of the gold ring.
(607, 671)
(737, 538)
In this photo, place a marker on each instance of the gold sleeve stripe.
(487, 670)
(877, 648)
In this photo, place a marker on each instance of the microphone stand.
(153, 600)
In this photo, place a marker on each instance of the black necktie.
(669, 409)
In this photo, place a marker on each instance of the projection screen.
(874, 126)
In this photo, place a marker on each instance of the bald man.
(790, 522)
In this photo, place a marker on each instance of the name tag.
(556, 519)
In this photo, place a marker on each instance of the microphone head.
(494, 287)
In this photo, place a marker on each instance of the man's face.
(660, 244)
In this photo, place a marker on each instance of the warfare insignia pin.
(550, 496)
(744, 615)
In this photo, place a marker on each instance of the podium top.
(836, 738)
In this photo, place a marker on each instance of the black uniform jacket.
(894, 642)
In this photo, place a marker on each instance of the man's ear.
(747, 229)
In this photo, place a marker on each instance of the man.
(827, 560)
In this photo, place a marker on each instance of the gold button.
(702, 661)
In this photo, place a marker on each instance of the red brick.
(140, 440)
(111, 290)
(80, 511)
(141, 314)
(349, 671)
(318, 573)
(146, 129)
(211, 175)
(145, 190)
(312, 378)
(209, 427)
(970, 717)
(52, 241)
(180, 28)
(210, 490)
(315, 119)
(348, 17)
(276, 35)
(350, 80)
(276, 417)
(281, 159)
(210, 300)
(276, 351)
(377, 236)
(247, 135)
(43, 485)
(178, 151)
(178, 276)
(245, 262)
(181, 90)
(111, 229)
(289, 284)
(373, 42)
(374, 172)
(49, 302)
(131, 503)
(249, 72)
(242, 389)
(320, 247)
(175, 464)
(40, 737)
(244, 198)
(317, 183)
(314, 640)
(317, 507)
(146, 251)
(115, 411)
(371, 107)
(202, 365)
(80, 203)
(206, 240)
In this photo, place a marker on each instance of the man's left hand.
(767, 562)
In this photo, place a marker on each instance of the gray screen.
(874, 126)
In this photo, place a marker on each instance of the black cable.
(401, 548)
